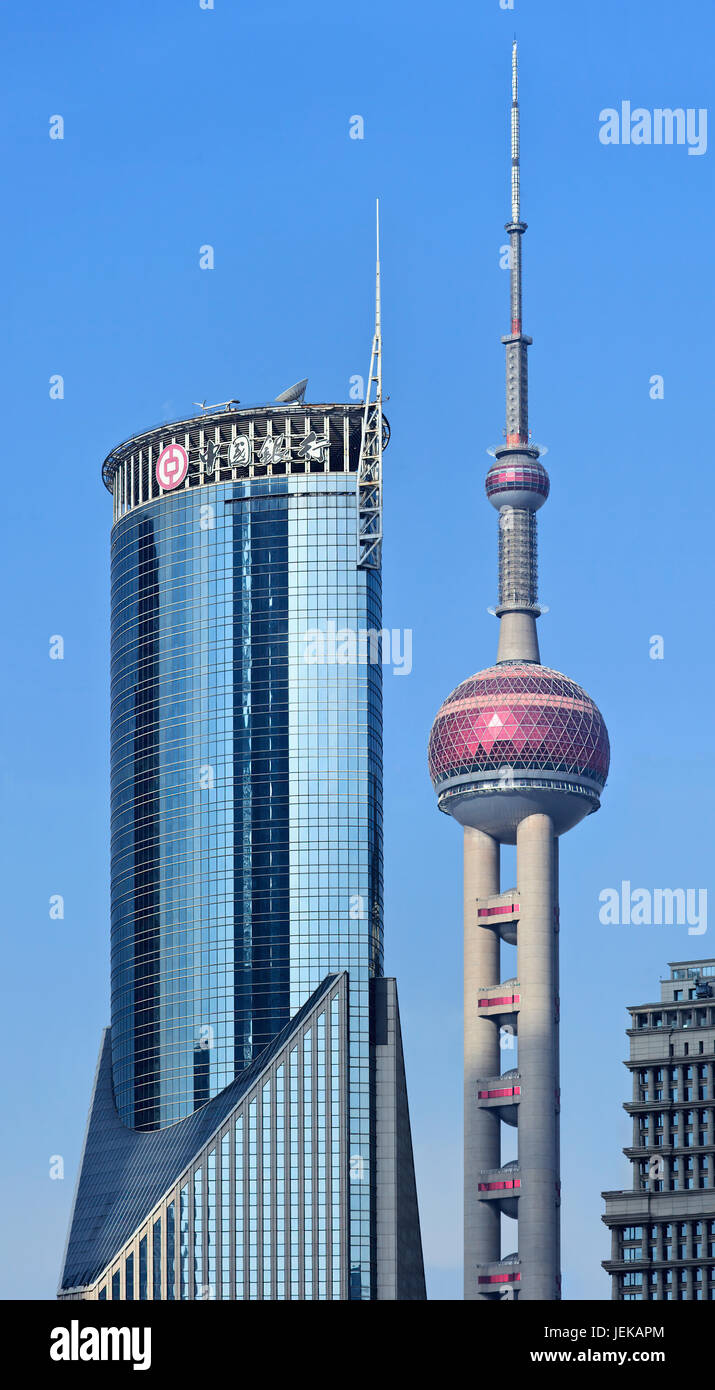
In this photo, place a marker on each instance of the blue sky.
(231, 127)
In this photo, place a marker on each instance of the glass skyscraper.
(249, 1134)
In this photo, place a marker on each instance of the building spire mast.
(369, 478)
(517, 484)
(517, 422)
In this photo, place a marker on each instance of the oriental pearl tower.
(518, 754)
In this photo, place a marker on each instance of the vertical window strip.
(239, 1220)
(337, 1159)
(280, 1160)
(252, 1202)
(321, 1156)
(199, 1291)
(184, 1242)
(156, 1260)
(143, 1272)
(225, 1216)
(294, 1172)
(267, 1158)
(308, 1163)
(170, 1250)
(211, 1225)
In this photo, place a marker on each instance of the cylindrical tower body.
(246, 757)
(482, 1145)
(537, 970)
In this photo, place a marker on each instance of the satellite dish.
(294, 393)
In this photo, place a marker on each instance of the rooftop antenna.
(517, 342)
(369, 478)
(294, 393)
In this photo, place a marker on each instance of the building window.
(238, 1160)
(129, 1277)
(184, 1243)
(143, 1271)
(170, 1247)
(199, 1291)
(211, 1213)
(156, 1260)
(225, 1216)
(116, 1284)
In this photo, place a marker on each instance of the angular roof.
(125, 1172)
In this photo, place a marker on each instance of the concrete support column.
(537, 969)
(557, 1050)
(482, 1144)
(517, 637)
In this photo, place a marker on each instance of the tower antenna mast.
(369, 478)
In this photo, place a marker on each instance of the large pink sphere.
(516, 739)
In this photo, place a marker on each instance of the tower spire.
(517, 404)
(514, 133)
(369, 478)
(517, 484)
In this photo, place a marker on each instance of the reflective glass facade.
(249, 1132)
(246, 790)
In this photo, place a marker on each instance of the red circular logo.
(172, 466)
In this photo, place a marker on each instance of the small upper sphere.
(517, 479)
(514, 740)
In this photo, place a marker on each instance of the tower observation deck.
(518, 754)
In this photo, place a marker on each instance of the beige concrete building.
(663, 1229)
